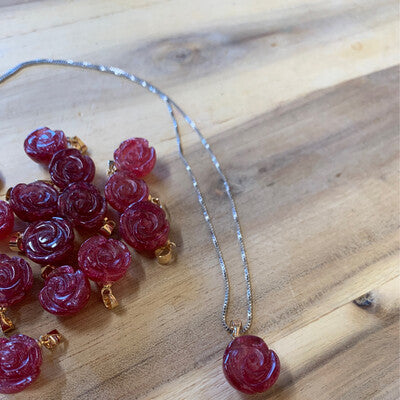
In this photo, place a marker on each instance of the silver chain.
(171, 105)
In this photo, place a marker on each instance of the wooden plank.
(311, 154)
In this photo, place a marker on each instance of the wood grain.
(299, 101)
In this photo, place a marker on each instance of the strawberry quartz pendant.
(16, 280)
(249, 365)
(121, 191)
(83, 205)
(135, 157)
(41, 144)
(65, 291)
(6, 219)
(70, 165)
(104, 261)
(47, 242)
(145, 227)
(21, 359)
(34, 201)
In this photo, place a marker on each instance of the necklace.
(248, 364)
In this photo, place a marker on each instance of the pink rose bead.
(104, 260)
(16, 280)
(65, 291)
(43, 143)
(6, 219)
(83, 205)
(70, 165)
(249, 365)
(34, 201)
(48, 242)
(135, 157)
(121, 191)
(20, 362)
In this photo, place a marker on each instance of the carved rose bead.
(144, 226)
(43, 143)
(6, 219)
(121, 191)
(135, 157)
(83, 205)
(249, 365)
(104, 260)
(70, 165)
(34, 201)
(65, 291)
(16, 280)
(48, 242)
(20, 361)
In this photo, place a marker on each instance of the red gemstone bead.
(135, 157)
(70, 165)
(104, 260)
(6, 219)
(16, 280)
(34, 201)
(41, 144)
(65, 291)
(144, 226)
(249, 365)
(48, 242)
(83, 205)
(20, 362)
(121, 191)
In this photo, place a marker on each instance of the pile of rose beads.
(53, 209)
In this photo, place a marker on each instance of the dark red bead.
(6, 219)
(104, 260)
(65, 291)
(16, 280)
(41, 144)
(48, 242)
(34, 201)
(83, 205)
(121, 191)
(20, 362)
(135, 157)
(144, 226)
(70, 165)
(249, 365)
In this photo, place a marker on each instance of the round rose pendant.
(20, 361)
(41, 144)
(249, 365)
(35, 201)
(145, 227)
(83, 205)
(65, 291)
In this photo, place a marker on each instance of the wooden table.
(299, 100)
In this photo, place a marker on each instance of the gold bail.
(236, 327)
(111, 167)
(107, 227)
(46, 271)
(165, 254)
(15, 242)
(50, 340)
(76, 143)
(5, 322)
(8, 193)
(109, 299)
